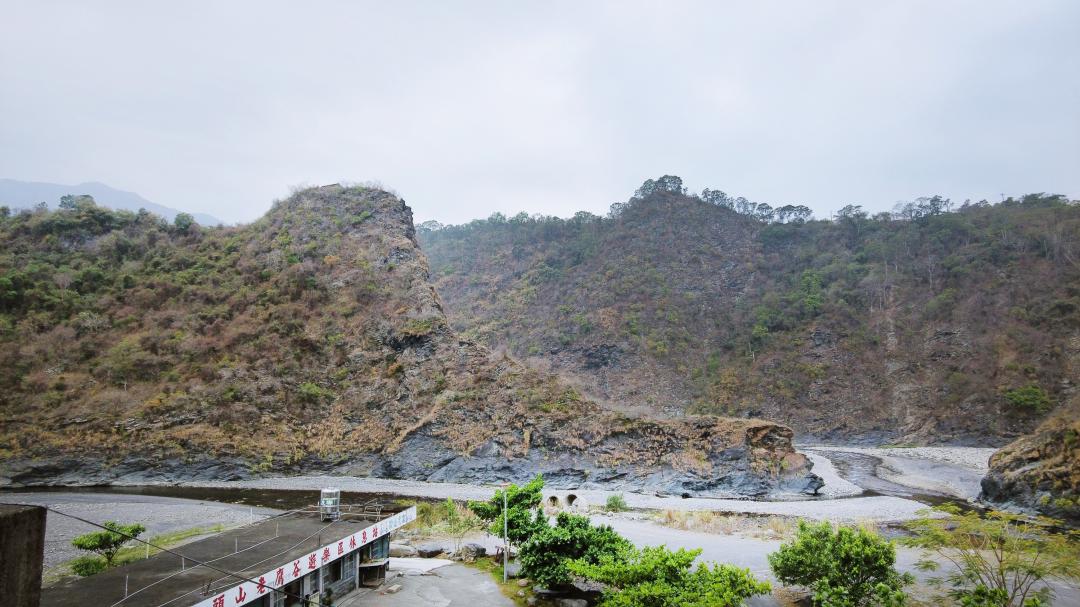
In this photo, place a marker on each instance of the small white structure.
(330, 504)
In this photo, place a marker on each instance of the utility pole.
(506, 542)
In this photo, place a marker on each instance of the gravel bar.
(875, 508)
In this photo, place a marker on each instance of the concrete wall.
(22, 548)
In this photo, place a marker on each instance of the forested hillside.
(135, 349)
(939, 322)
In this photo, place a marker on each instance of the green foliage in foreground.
(844, 567)
(544, 557)
(651, 577)
(658, 577)
(999, 558)
(523, 515)
(108, 542)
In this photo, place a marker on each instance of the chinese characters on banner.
(283, 574)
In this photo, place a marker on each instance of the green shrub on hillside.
(1030, 398)
(313, 393)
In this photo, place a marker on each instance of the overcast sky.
(467, 108)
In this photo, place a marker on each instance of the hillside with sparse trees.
(309, 340)
(939, 322)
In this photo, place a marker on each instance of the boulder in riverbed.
(402, 550)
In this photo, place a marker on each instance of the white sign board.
(279, 576)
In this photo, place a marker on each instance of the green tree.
(843, 566)
(544, 557)
(658, 577)
(998, 559)
(523, 514)
(109, 541)
(183, 222)
(810, 290)
(1029, 398)
(126, 361)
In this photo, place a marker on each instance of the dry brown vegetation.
(311, 334)
(935, 323)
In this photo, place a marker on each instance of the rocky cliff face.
(1041, 471)
(309, 340)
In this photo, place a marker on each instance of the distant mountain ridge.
(25, 194)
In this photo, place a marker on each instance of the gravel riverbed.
(839, 501)
(159, 515)
(947, 471)
(873, 508)
(974, 458)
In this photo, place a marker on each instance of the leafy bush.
(1030, 398)
(313, 393)
(544, 557)
(658, 577)
(616, 503)
(1001, 557)
(843, 566)
(419, 327)
(88, 565)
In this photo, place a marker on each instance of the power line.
(324, 528)
(227, 573)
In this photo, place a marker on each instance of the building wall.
(348, 579)
(22, 549)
